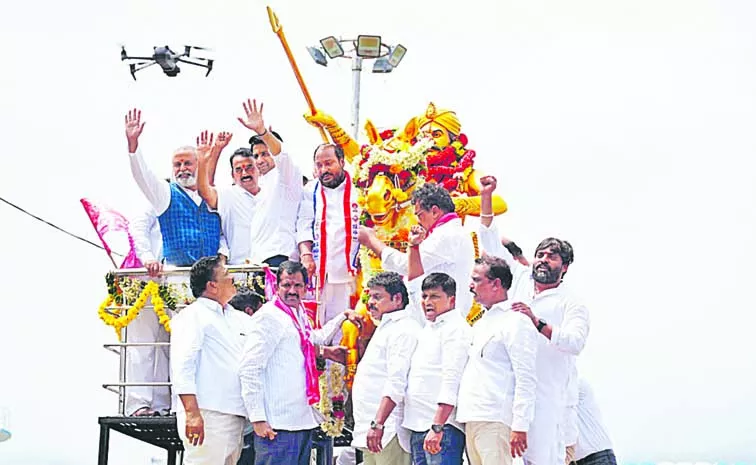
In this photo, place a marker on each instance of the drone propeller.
(200, 48)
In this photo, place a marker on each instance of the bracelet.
(489, 215)
(265, 132)
(305, 254)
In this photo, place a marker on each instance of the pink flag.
(270, 285)
(106, 220)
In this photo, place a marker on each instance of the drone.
(168, 60)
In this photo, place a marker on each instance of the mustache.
(247, 178)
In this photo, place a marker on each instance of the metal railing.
(120, 348)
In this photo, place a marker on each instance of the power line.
(57, 227)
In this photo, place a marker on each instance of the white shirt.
(237, 208)
(568, 318)
(148, 241)
(592, 436)
(499, 381)
(448, 249)
(272, 369)
(382, 372)
(336, 263)
(569, 426)
(157, 191)
(273, 227)
(206, 347)
(436, 370)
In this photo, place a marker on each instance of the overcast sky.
(624, 126)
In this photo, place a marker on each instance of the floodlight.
(318, 56)
(382, 65)
(369, 46)
(332, 47)
(397, 54)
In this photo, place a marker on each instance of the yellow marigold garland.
(125, 316)
(476, 311)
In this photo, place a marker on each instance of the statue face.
(441, 137)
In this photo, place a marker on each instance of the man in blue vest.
(190, 230)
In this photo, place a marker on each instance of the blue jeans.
(289, 447)
(452, 448)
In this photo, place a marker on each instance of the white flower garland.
(378, 155)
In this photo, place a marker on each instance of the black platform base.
(161, 432)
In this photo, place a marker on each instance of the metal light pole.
(386, 58)
(356, 71)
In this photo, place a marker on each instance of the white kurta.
(339, 283)
(448, 249)
(273, 229)
(237, 208)
(148, 364)
(570, 324)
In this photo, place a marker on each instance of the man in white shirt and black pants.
(278, 374)
(497, 394)
(206, 343)
(435, 372)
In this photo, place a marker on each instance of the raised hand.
(253, 119)
(487, 185)
(416, 235)
(134, 127)
(221, 142)
(205, 145)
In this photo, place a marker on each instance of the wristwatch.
(437, 428)
(541, 324)
(375, 425)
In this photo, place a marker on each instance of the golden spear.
(278, 30)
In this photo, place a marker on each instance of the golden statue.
(448, 160)
(387, 170)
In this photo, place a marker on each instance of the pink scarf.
(443, 220)
(308, 349)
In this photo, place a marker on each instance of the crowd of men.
(429, 388)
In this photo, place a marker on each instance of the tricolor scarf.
(308, 350)
(351, 212)
(443, 220)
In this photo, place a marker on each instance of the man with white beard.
(190, 230)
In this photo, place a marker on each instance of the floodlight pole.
(356, 72)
